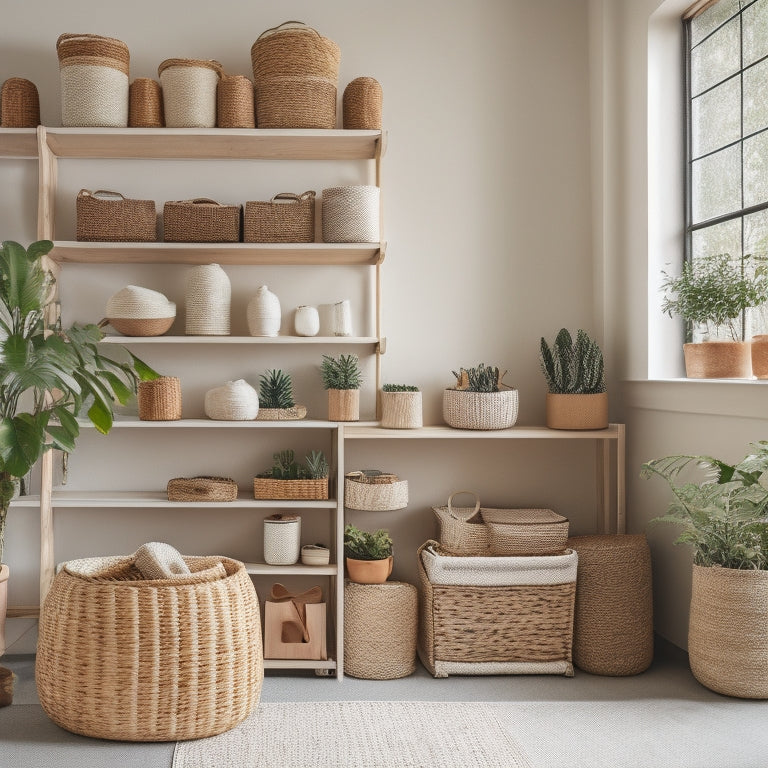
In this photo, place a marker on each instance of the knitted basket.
(124, 658)
(19, 104)
(145, 104)
(282, 539)
(233, 401)
(234, 102)
(401, 410)
(202, 488)
(160, 399)
(208, 297)
(286, 218)
(189, 92)
(362, 104)
(351, 214)
(136, 311)
(104, 216)
(94, 81)
(374, 497)
(463, 409)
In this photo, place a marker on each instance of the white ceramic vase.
(264, 313)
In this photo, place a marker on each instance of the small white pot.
(306, 321)
(264, 313)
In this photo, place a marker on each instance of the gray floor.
(660, 718)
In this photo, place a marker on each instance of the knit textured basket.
(145, 104)
(295, 73)
(525, 531)
(374, 497)
(208, 297)
(200, 221)
(234, 102)
(496, 615)
(124, 658)
(286, 218)
(282, 539)
(401, 410)
(202, 488)
(189, 92)
(270, 488)
(463, 409)
(19, 104)
(462, 530)
(362, 104)
(160, 399)
(109, 217)
(351, 214)
(94, 81)
(137, 311)
(233, 401)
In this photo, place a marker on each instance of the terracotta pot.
(759, 350)
(718, 360)
(577, 411)
(4, 574)
(343, 405)
(369, 571)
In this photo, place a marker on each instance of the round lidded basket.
(145, 104)
(282, 539)
(19, 104)
(137, 311)
(160, 399)
(264, 313)
(351, 214)
(463, 409)
(189, 92)
(234, 102)
(362, 104)
(94, 81)
(208, 297)
(233, 401)
(525, 531)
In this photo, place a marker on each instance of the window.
(727, 138)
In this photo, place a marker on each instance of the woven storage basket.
(362, 104)
(208, 298)
(19, 104)
(463, 409)
(481, 615)
(286, 218)
(233, 401)
(525, 531)
(137, 311)
(189, 92)
(282, 539)
(269, 488)
(294, 413)
(295, 73)
(234, 102)
(351, 214)
(200, 221)
(94, 81)
(128, 659)
(380, 625)
(375, 496)
(145, 104)
(401, 410)
(160, 399)
(263, 313)
(202, 488)
(343, 404)
(462, 530)
(108, 217)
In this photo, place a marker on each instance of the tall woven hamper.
(613, 628)
(234, 102)
(145, 104)
(380, 625)
(123, 658)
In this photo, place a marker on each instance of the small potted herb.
(400, 406)
(342, 378)
(479, 400)
(368, 555)
(287, 479)
(276, 401)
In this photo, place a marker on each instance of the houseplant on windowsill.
(400, 406)
(368, 555)
(342, 378)
(575, 374)
(480, 400)
(723, 518)
(48, 376)
(712, 294)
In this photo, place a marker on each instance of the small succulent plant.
(573, 368)
(399, 388)
(481, 378)
(285, 466)
(341, 372)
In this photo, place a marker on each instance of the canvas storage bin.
(496, 615)
(160, 399)
(201, 220)
(234, 102)
(104, 216)
(282, 539)
(137, 311)
(94, 81)
(189, 92)
(208, 298)
(233, 401)
(351, 214)
(295, 74)
(202, 488)
(362, 104)
(286, 218)
(19, 104)
(107, 668)
(365, 493)
(145, 104)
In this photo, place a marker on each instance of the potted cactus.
(342, 378)
(368, 555)
(480, 400)
(575, 374)
(400, 406)
(276, 401)
(287, 479)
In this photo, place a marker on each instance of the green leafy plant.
(285, 466)
(399, 388)
(363, 545)
(49, 376)
(317, 466)
(572, 368)
(276, 390)
(481, 378)
(722, 514)
(713, 292)
(341, 372)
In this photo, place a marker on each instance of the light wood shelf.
(218, 340)
(133, 422)
(262, 569)
(18, 143)
(328, 664)
(442, 432)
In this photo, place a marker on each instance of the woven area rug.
(361, 734)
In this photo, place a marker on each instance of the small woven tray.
(270, 488)
(202, 488)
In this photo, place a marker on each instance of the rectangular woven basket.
(310, 489)
(109, 217)
(200, 221)
(202, 488)
(286, 218)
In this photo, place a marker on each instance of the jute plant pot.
(401, 410)
(718, 360)
(343, 405)
(577, 411)
(759, 353)
(727, 641)
(369, 571)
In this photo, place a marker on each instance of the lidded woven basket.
(362, 104)
(160, 399)
(19, 104)
(189, 92)
(233, 401)
(137, 311)
(234, 102)
(208, 298)
(282, 539)
(145, 104)
(351, 214)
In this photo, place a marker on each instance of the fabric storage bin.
(362, 105)
(496, 615)
(19, 104)
(189, 92)
(208, 297)
(202, 488)
(200, 221)
(137, 311)
(145, 104)
(361, 494)
(233, 401)
(286, 218)
(94, 81)
(100, 641)
(104, 216)
(351, 214)
(295, 74)
(234, 102)
(282, 539)
(160, 399)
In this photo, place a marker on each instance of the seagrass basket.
(401, 410)
(19, 104)
(200, 221)
(525, 531)
(463, 409)
(145, 104)
(160, 399)
(462, 529)
(234, 102)
(104, 216)
(123, 658)
(362, 104)
(202, 488)
(286, 218)
(189, 92)
(375, 496)
(307, 489)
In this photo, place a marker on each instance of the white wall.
(488, 216)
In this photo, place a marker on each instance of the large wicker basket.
(286, 218)
(200, 221)
(104, 216)
(123, 658)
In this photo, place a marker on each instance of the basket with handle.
(105, 216)
(286, 218)
(200, 220)
(462, 530)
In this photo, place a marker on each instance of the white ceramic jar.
(306, 321)
(264, 314)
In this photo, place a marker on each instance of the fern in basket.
(276, 390)
(573, 369)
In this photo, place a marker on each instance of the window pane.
(716, 184)
(715, 117)
(756, 243)
(756, 169)
(720, 238)
(712, 18)
(716, 58)
(755, 32)
(755, 101)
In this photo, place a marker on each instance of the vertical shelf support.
(338, 580)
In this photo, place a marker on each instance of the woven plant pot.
(727, 642)
(234, 102)
(577, 411)
(351, 214)
(343, 405)
(401, 410)
(362, 104)
(104, 216)
(718, 360)
(137, 311)
(145, 104)
(233, 401)
(264, 315)
(463, 409)
(19, 104)
(282, 539)
(208, 297)
(202, 488)
(309, 489)
(286, 218)
(759, 355)
(189, 92)
(108, 638)
(160, 399)
(94, 81)
(369, 571)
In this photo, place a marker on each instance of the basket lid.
(521, 516)
(135, 302)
